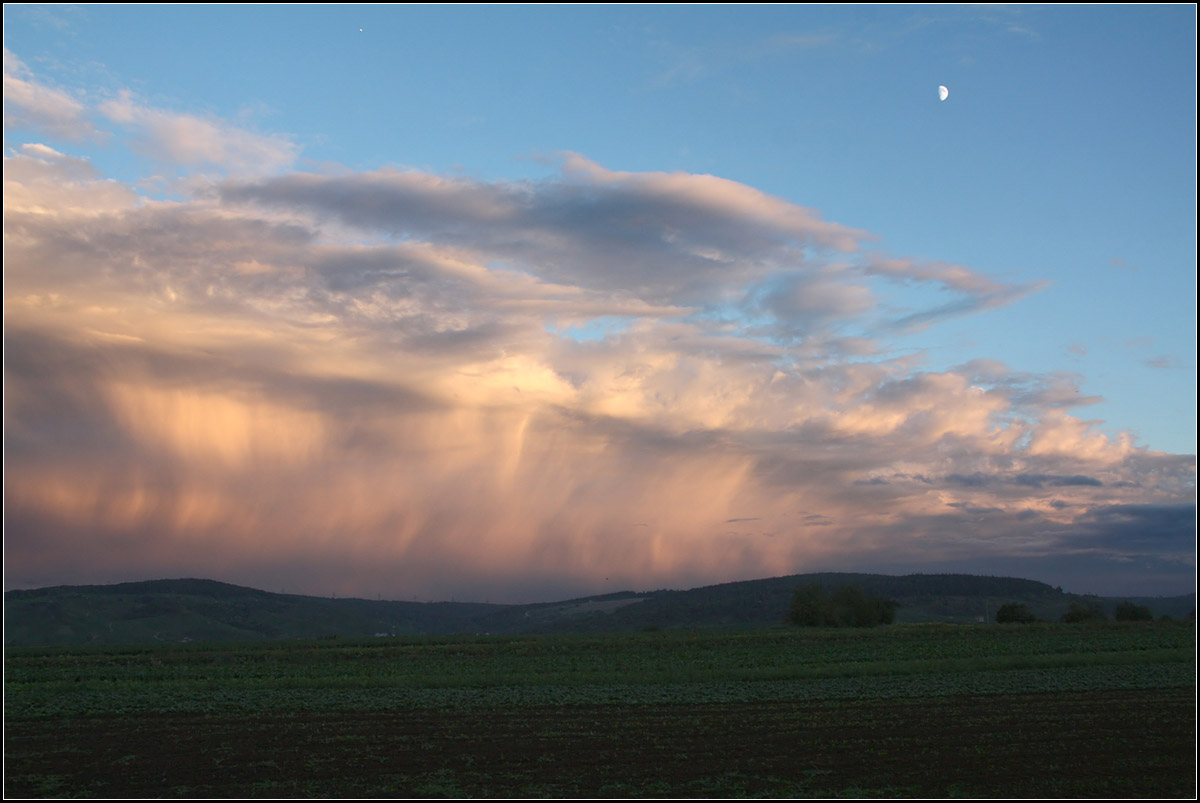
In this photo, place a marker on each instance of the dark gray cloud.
(1138, 529)
(981, 480)
(600, 237)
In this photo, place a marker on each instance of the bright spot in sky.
(943, 93)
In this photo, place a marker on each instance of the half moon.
(943, 93)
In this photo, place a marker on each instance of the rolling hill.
(210, 611)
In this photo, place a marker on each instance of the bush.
(847, 606)
(1083, 613)
(1129, 612)
(1015, 612)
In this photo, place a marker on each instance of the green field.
(908, 710)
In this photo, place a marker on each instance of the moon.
(943, 93)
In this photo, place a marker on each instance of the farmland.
(908, 710)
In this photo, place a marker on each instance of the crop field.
(1053, 710)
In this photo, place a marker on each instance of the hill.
(207, 610)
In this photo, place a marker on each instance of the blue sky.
(1032, 236)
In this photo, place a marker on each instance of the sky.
(522, 303)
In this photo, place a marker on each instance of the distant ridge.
(191, 586)
(200, 610)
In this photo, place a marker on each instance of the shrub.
(1079, 612)
(1015, 612)
(1129, 612)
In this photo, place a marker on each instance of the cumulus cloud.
(42, 181)
(378, 383)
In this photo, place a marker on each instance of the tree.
(810, 607)
(847, 606)
(1015, 612)
(885, 610)
(1127, 611)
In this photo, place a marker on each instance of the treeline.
(1126, 611)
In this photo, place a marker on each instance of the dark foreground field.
(987, 711)
(1100, 743)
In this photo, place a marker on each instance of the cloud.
(175, 140)
(369, 380)
(29, 103)
(1135, 530)
(953, 277)
(44, 182)
(660, 237)
(801, 41)
(980, 480)
(720, 201)
(191, 141)
(804, 303)
(965, 305)
(684, 64)
(1025, 390)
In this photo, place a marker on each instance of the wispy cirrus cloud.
(975, 292)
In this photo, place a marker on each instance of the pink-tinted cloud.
(368, 383)
(30, 103)
(176, 139)
(191, 141)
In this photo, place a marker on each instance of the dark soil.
(1087, 744)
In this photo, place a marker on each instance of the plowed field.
(1138, 743)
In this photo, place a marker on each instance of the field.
(909, 710)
